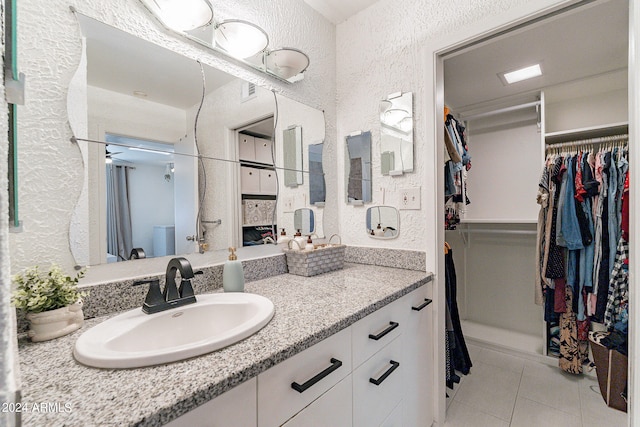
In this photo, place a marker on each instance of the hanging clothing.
(581, 248)
(459, 359)
(457, 163)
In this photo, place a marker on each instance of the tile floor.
(503, 390)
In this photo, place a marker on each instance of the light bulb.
(240, 39)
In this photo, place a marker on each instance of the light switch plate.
(409, 198)
(288, 203)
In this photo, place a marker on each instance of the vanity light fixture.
(521, 74)
(240, 39)
(286, 62)
(181, 15)
(236, 38)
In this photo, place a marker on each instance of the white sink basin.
(134, 339)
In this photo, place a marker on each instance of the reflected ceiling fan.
(109, 156)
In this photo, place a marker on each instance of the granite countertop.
(307, 310)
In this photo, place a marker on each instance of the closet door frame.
(433, 103)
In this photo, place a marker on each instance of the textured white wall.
(50, 50)
(379, 51)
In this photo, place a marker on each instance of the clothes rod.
(590, 141)
(500, 111)
(498, 231)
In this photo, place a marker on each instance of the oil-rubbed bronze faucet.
(172, 296)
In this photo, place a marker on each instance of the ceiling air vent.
(248, 91)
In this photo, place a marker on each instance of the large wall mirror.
(396, 134)
(142, 104)
(358, 168)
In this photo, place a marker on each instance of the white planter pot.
(55, 323)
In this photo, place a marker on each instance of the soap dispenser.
(309, 245)
(232, 274)
(379, 232)
(300, 239)
(283, 239)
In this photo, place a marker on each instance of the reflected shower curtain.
(119, 233)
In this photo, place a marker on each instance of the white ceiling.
(338, 11)
(589, 41)
(123, 63)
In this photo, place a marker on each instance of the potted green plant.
(52, 301)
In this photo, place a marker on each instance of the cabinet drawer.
(311, 370)
(332, 409)
(250, 180)
(246, 150)
(377, 330)
(263, 151)
(267, 181)
(372, 403)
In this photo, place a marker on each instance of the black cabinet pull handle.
(335, 364)
(392, 326)
(426, 302)
(394, 366)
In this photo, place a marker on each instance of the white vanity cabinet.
(376, 372)
(236, 407)
(418, 354)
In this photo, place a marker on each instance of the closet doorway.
(583, 89)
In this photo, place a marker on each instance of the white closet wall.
(505, 160)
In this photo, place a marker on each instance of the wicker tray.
(311, 263)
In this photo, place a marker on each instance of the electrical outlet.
(409, 198)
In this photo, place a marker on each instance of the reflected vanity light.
(240, 39)
(406, 124)
(385, 105)
(286, 62)
(394, 116)
(181, 15)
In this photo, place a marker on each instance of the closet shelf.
(499, 221)
(586, 133)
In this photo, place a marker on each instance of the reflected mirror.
(292, 150)
(382, 222)
(292, 114)
(317, 185)
(304, 220)
(358, 168)
(396, 134)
